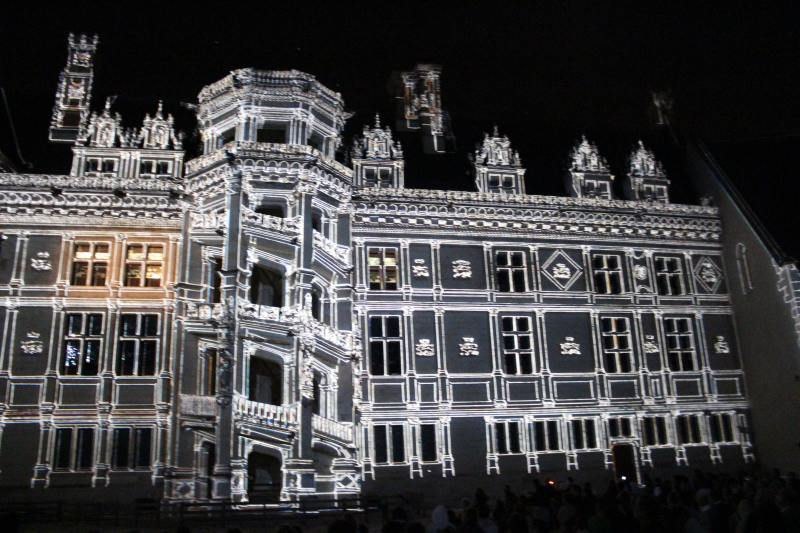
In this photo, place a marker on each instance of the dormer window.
(109, 165)
(377, 177)
(654, 193)
(157, 168)
(501, 184)
(596, 189)
(92, 165)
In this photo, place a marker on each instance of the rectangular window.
(385, 346)
(669, 276)
(378, 177)
(655, 431)
(154, 168)
(74, 449)
(428, 448)
(138, 344)
(83, 337)
(90, 263)
(507, 437)
(617, 352)
(510, 271)
(517, 344)
(144, 264)
(501, 184)
(210, 381)
(596, 189)
(546, 436)
(389, 444)
(620, 427)
(721, 426)
(584, 436)
(383, 272)
(607, 271)
(656, 193)
(680, 344)
(132, 448)
(688, 427)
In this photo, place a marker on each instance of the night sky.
(545, 73)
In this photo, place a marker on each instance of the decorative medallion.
(708, 274)
(32, 346)
(640, 272)
(41, 261)
(561, 269)
(469, 347)
(570, 347)
(462, 269)
(419, 269)
(650, 345)
(424, 348)
(721, 345)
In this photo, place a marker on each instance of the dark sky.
(544, 72)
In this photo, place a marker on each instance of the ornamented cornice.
(49, 181)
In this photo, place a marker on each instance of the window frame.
(382, 269)
(506, 183)
(616, 353)
(619, 422)
(666, 275)
(82, 338)
(716, 425)
(506, 436)
(90, 262)
(384, 340)
(677, 353)
(137, 339)
(692, 424)
(144, 264)
(436, 440)
(603, 186)
(390, 448)
(74, 449)
(583, 422)
(516, 352)
(547, 424)
(607, 274)
(658, 425)
(133, 449)
(510, 269)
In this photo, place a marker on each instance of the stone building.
(265, 322)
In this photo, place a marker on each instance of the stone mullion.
(441, 359)
(637, 336)
(702, 355)
(9, 334)
(408, 355)
(498, 375)
(544, 366)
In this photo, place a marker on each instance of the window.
(546, 436)
(721, 427)
(92, 165)
(90, 263)
(152, 167)
(510, 271)
(271, 133)
(688, 427)
(501, 184)
(596, 189)
(620, 427)
(138, 345)
(132, 448)
(607, 274)
(389, 444)
(109, 165)
(74, 449)
(215, 281)
(669, 276)
(428, 449)
(378, 177)
(584, 436)
(210, 372)
(144, 265)
(385, 346)
(680, 344)
(383, 273)
(655, 193)
(517, 344)
(507, 437)
(655, 431)
(83, 339)
(616, 335)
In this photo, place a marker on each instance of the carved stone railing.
(282, 416)
(342, 253)
(343, 338)
(250, 311)
(87, 182)
(196, 405)
(204, 311)
(340, 430)
(209, 221)
(285, 225)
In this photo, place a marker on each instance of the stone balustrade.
(205, 311)
(285, 225)
(282, 416)
(340, 430)
(342, 253)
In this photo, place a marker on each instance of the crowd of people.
(704, 503)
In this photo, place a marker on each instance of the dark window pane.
(539, 436)
(398, 447)
(381, 448)
(661, 426)
(613, 427)
(508, 324)
(376, 358)
(511, 363)
(143, 438)
(126, 357)
(428, 438)
(591, 441)
(85, 448)
(649, 432)
(577, 435)
(74, 324)
(394, 358)
(72, 355)
(525, 363)
(503, 282)
(519, 281)
(502, 259)
(626, 427)
(375, 327)
(500, 430)
(513, 437)
(133, 275)
(392, 326)
(516, 259)
(147, 358)
(80, 273)
(91, 357)
(552, 434)
(99, 274)
(63, 445)
(121, 444)
(524, 342)
(94, 324)
(127, 325)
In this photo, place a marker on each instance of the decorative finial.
(160, 109)
(377, 121)
(495, 132)
(108, 104)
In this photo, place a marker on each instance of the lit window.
(721, 427)
(669, 276)
(655, 431)
(620, 427)
(132, 448)
(82, 344)
(74, 449)
(90, 263)
(385, 346)
(507, 437)
(388, 444)
(688, 427)
(546, 436)
(383, 273)
(680, 344)
(144, 265)
(607, 274)
(138, 345)
(617, 353)
(584, 436)
(510, 271)
(517, 344)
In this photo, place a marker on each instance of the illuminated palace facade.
(266, 323)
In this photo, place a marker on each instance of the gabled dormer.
(646, 178)
(498, 168)
(588, 175)
(377, 158)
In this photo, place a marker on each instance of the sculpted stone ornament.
(561, 271)
(33, 345)
(570, 347)
(468, 348)
(307, 378)
(41, 262)
(650, 345)
(721, 345)
(640, 272)
(424, 348)
(419, 269)
(462, 269)
(586, 158)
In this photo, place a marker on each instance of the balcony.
(281, 416)
(258, 220)
(338, 430)
(194, 405)
(205, 311)
(337, 251)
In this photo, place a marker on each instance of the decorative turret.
(158, 132)
(74, 92)
(646, 178)
(422, 108)
(588, 174)
(498, 168)
(377, 159)
(105, 130)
